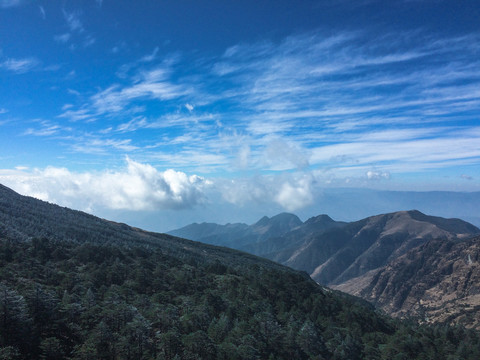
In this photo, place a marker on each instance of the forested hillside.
(151, 296)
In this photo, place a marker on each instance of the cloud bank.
(136, 187)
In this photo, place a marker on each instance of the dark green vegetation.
(87, 295)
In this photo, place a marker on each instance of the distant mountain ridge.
(332, 251)
(337, 255)
(238, 235)
(372, 258)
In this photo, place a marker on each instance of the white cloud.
(115, 98)
(290, 191)
(132, 125)
(19, 66)
(102, 146)
(137, 187)
(243, 157)
(296, 194)
(45, 131)
(150, 57)
(340, 103)
(282, 155)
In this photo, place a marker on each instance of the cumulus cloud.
(290, 191)
(136, 187)
(294, 195)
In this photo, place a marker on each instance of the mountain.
(73, 286)
(238, 235)
(208, 232)
(333, 252)
(402, 262)
(438, 281)
(292, 240)
(342, 253)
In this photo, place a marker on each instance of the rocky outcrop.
(438, 281)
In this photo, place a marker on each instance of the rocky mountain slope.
(407, 263)
(438, 281)
(337, 255)
(333, 252)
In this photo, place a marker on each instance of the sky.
(160, 113)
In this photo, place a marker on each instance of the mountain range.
(363, 257)
(74, 286)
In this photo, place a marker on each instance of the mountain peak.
(287, 217)
(263, 221)
(323, 218)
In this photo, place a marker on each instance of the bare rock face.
(438, 281)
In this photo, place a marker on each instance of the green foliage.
(63, 300)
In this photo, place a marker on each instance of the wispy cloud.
(46, 128)
(367, 108)
(97, 145)
(43, 14)
(153, 84)
(63, 38)
(19, 66)
(45, 131)
(73, 21)
(76, 36)
(150, 57)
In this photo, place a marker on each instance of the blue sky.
(150, 108)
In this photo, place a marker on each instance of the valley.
(369, 258)
(73, 286)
